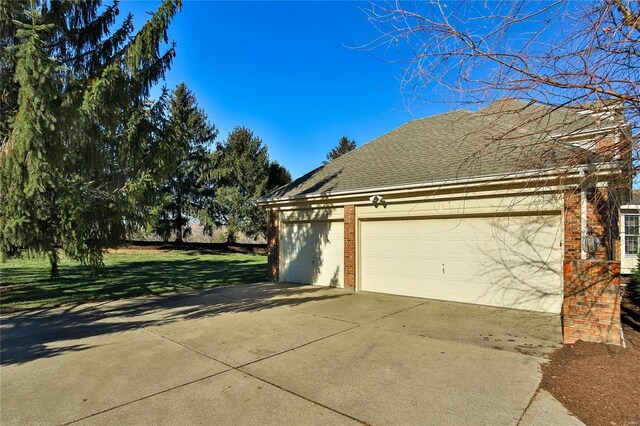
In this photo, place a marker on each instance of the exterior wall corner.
(591, 307)
(591, 288)
(273, 244)
(350, 246)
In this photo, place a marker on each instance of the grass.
(25, 283)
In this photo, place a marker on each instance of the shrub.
(634, 284)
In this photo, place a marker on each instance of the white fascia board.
(584, 133)
(523, 177)
(478, 191)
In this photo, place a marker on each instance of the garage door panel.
(507, 261)
(312, 253)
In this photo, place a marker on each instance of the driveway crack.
(394, 313)
(234, 368)
(304, 397)
(323, 316)
(533, 397)
(147, 396)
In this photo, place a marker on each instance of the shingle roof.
(506, 137)
(635, 198)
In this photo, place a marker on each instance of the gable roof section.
(506, 137)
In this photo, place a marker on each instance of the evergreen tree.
(277, 176)
(241, 177)
(634, 284)
(187, 128)
(10, 11)
(345, 145)
(82, 145)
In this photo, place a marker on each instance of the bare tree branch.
(561, 55)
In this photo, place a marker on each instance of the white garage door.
(510, 262)
(312, 253)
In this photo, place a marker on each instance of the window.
(631, 234)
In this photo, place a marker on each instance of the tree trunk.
(231, 237)
(53, 260)
(179, 226)
(179, 214)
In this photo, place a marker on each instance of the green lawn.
(25, 283)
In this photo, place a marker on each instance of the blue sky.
(284, 70)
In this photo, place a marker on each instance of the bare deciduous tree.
(567, 75)
(559, 56)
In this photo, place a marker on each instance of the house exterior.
(630, 234)
(497, 207)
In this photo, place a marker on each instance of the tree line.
(87, 157)
(218, 185)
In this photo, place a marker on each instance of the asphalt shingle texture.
(506, 137)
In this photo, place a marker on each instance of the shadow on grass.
(25, 287)
(201, 248)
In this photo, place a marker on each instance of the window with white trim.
(631, 234)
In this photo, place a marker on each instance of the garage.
(511, 261)
(490, 207)
(312, 252)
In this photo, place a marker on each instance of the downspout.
(583, 210)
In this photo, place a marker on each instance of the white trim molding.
(539, 177)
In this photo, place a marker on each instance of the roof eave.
(525, 176)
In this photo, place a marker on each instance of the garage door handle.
(443, 268)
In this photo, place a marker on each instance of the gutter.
(586, 133)
(528, 176)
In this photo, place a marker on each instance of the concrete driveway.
(277, 354)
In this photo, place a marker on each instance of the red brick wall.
(572, 228)
(603, 218)
(591, 308)
(273, 244)
(606, 146)
(350, 246)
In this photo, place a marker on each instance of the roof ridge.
(455, 111)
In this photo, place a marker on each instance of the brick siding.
(591, 308)
(572, 229)
(603, 218)
(350, 246)
(273, 244)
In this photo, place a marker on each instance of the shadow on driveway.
(28, 335)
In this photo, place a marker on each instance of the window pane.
(631, 224)
(631, 245)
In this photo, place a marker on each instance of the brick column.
(591, 308)
(591, 288)
(273, 244)
(603, 218)
(572, 228)
(350, 246)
